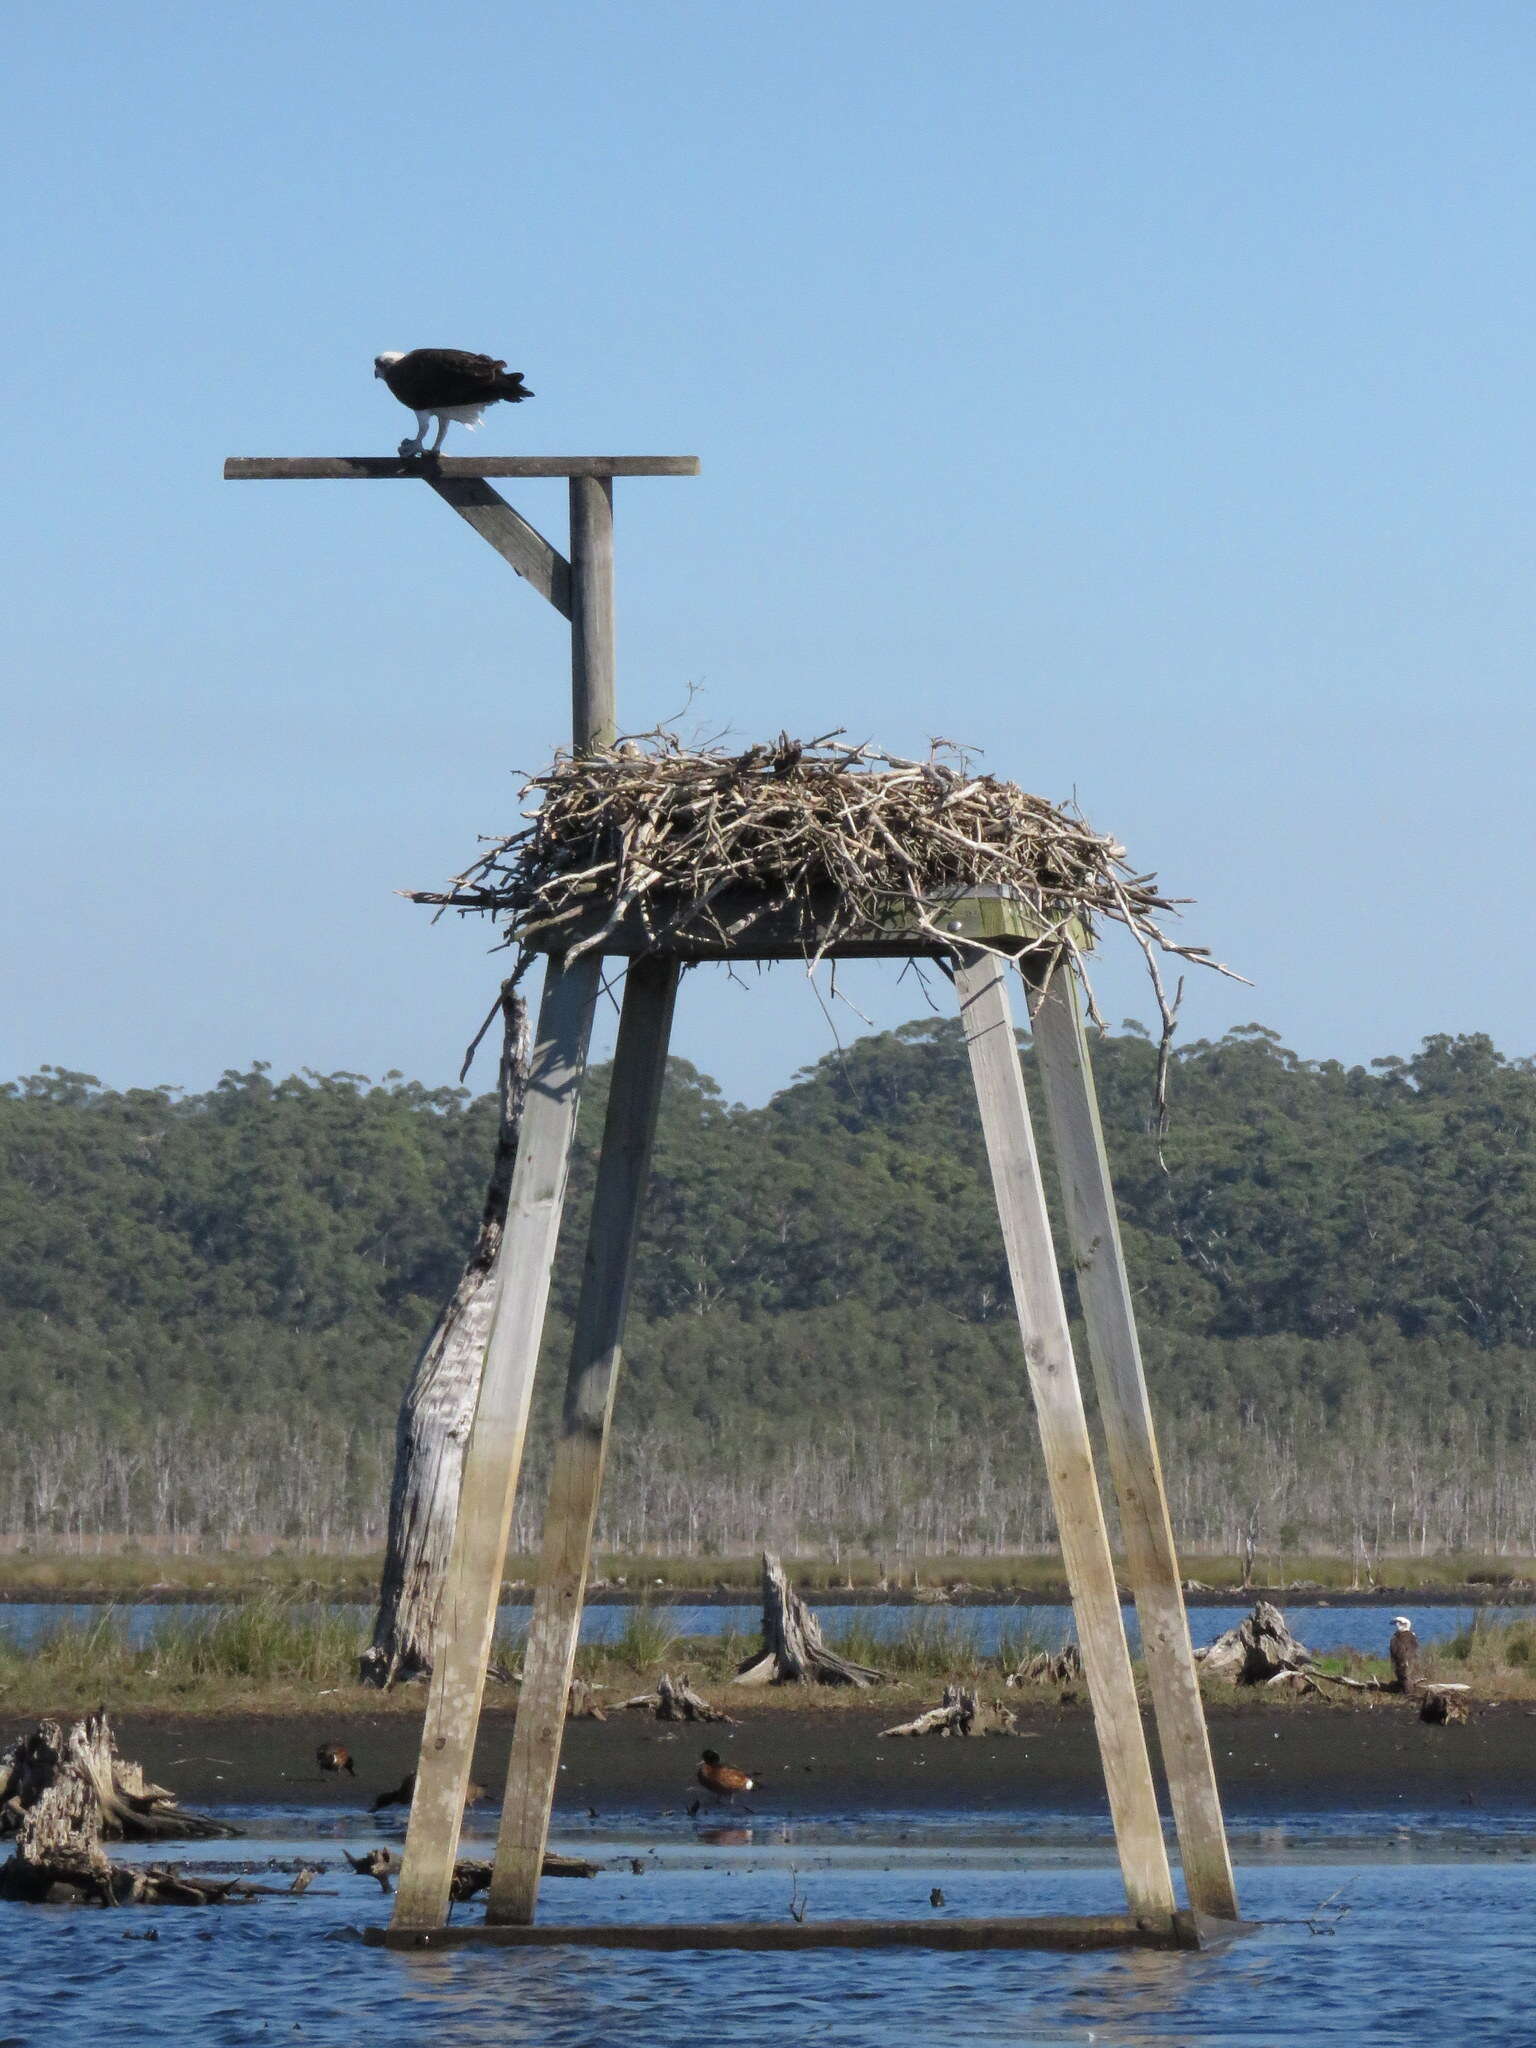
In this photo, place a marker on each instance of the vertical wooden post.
(1066, 1081)
(495, 1449)
(639, 1066)
(594, 721)
(988, 1020)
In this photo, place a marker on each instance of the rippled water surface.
(1374, 1930)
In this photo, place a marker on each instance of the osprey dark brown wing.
(427, 378)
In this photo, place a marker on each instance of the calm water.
(1320, 1628)
(1374, 1931)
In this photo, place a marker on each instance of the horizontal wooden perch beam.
(240, 467)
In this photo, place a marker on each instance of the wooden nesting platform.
(753, 924)
(1062, 1931)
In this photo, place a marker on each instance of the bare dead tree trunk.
(439, 1407)
(793, 1652)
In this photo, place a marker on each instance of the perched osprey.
(1404, 1652)
(447, 384)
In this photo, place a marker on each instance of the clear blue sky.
(1142, 393)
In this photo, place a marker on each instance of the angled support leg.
(509, 533)
(495, 1449)
(576, 1477)
(1066, 1081)
(988, 1020)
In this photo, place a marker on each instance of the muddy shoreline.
(820, 1761)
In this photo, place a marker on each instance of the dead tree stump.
(793, 1652)
(1050, 1667)
(675, 1700)
(63, 1794)
(1260, 1650)
(37, 1769)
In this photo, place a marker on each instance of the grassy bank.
(272, 1655)
(131, 1574)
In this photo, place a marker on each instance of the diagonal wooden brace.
(510, 534)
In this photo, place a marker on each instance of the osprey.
(447, 384)
(1404, 1652)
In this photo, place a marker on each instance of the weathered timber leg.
(495, 1449)
(980, 980)
(1066, 1081)
(639, 1066)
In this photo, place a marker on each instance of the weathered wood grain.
(594, 720)
(495, 1449)
(1066, 1082)
(1045, 1931)
(277, 468)
(988, 1021)
(639, 1068)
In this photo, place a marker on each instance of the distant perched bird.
(447, 384)
(935, 1897)
(330, 1756)
(379, 1863)
(1404, 1652)
(722, 1780)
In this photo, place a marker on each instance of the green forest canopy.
(1321, 1233)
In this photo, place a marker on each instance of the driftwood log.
(960, 1712)
(793, 1652)
(439, 1407)
(469, 1876)
(675, 1700)
(1260, 1651)
(64, 1795)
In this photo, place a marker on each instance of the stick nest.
(662, 832)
